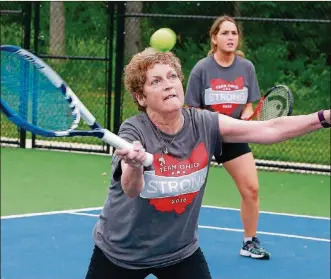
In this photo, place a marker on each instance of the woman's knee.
(249, 190)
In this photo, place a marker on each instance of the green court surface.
(42, 180)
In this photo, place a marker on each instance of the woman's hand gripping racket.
(35, 98)
(277, 102)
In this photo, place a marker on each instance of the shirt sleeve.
(216, 138)
(254, 90)
(209, 126)
(194, 90)
(129, 132)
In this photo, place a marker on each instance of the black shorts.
(229, 151)
(193, 267)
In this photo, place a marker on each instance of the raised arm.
(271, 131)
(127, 164)
(132, 179)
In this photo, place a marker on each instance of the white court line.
(204, 206)
(49, 213)
(268, 233)
(236, 230)
(79, 212)
(269, 212)
(84, 214)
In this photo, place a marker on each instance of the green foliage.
(295, 54)
(189, 54)
(311, 85)
(11, 34)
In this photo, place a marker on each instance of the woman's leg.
(238, 160)
(244, 173)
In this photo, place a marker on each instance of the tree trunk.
(132, 29)
(237, 13)
(57, 28)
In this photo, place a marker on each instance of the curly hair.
(135, 71)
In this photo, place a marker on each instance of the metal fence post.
(119, 65)
(36, 27)
(27, 9)
(109, 66)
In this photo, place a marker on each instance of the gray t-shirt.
(159, 227)
(222, 89)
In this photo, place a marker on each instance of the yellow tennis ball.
(163, 39)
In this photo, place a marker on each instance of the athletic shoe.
(254, 250)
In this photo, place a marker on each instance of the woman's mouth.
(170, 96)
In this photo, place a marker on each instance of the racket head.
(277, 102)
(34, 96)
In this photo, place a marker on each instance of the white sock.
(250, 238)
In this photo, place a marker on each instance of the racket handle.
(149, 159)
(120, 143)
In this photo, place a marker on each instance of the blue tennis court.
(58, 245)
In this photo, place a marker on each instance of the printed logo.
(225, 96)
(175, 184)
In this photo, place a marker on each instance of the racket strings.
(32, 96)
(276, 104)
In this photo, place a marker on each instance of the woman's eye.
(173, 76)
(155, 81)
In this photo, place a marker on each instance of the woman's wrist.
(323, 115)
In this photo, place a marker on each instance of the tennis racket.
(277, 102)
(35, 98)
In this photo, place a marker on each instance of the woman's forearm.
(271, 131)
(283, 128)
(132, 180)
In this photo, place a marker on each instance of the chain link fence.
(283, 40)
(75, 39)
(89, 44)
(15, 30)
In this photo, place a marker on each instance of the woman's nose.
(167, 84)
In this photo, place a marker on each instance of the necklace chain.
(167, 146)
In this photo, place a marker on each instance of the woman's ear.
(213, 40)
(141, 99)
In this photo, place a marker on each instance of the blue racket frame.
(72, 100)
(77, 107)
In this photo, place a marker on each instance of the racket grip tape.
(120, 143)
